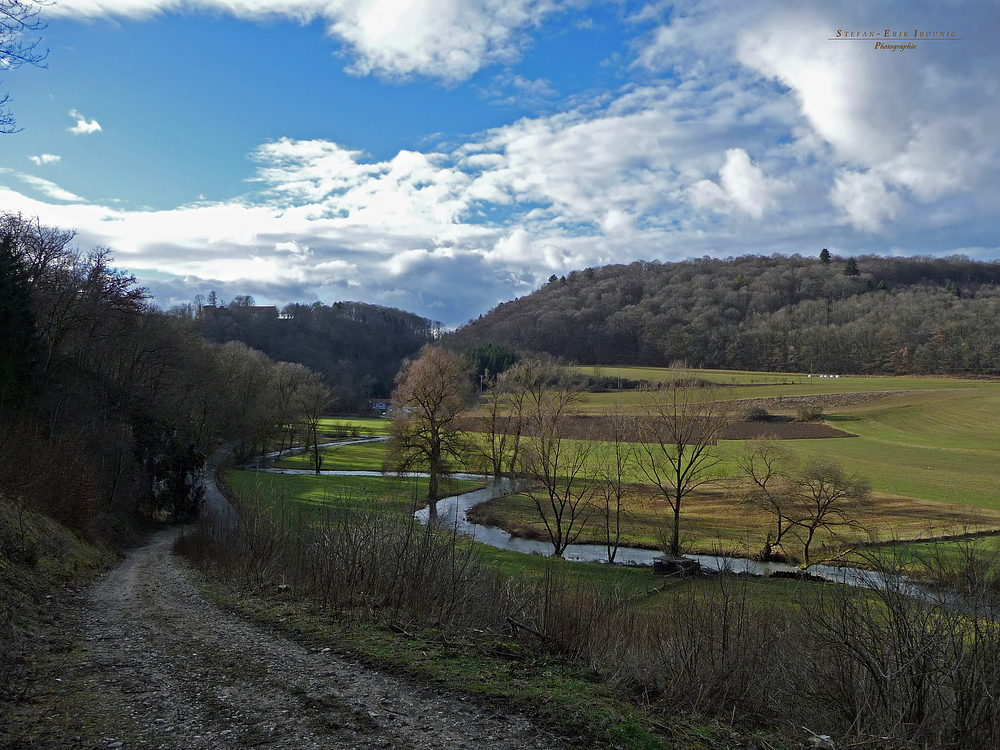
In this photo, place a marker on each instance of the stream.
(452, 510)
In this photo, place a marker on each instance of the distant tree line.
(867, 315)
(107, 405)
(356, 347)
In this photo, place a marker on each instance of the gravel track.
(164, 668)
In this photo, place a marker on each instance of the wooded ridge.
(357, 347)
(868, 314)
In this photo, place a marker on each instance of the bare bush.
(903, 667)
(719, 649)
(890, 666)
(809, 412)
(358, 561)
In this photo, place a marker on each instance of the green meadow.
(292, 496)
(359, 457)
(939, 445)
(315, 494)
(356, 426)
(931, 438)
(795, 383)
(929, 447)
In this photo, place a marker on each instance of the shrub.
(809, 413)
(757, 414)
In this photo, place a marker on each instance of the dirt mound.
(824, 400)
(594, 428)
(782, 430)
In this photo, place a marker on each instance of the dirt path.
(163, 668)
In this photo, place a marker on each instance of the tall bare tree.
(762, 464)
(512, 398)
(312, 398)
(431, 393)
(615, 459)
(803, 500)
(680, 428)
(826, 498)
(499, 426)
(555, 464)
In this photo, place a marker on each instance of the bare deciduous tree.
(680, 428)
(312, 398)
(523, 386)
(500, 426)
(761, 463)
(431, 394)
(554, 463)
(615, 459)
(827, 497)
(802, 500)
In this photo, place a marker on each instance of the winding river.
(452, 512)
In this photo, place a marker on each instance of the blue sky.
(446, 155)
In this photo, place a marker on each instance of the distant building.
(379, 406)
(260, 312)
(264, 311)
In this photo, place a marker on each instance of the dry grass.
(716, 520)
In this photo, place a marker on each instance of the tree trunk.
(432, 487)
(675, 538)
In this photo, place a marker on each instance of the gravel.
(158, 666)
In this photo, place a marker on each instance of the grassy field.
(715, 520)
(354, 426)
(291, 495)
(797, 383)
(959, 555)
(361, 457)
(940, 446)
(934, 438)
(315, 494)
(928, 446)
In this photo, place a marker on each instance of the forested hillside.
(107, 405)
(866, 315)
(355, 346)
(108, 408)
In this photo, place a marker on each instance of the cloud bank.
(742, 130)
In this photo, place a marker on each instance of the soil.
(141, 660)
(778, 428)
(781, 430)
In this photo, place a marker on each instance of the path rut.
(168, 669)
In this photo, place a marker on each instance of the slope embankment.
(142, 659)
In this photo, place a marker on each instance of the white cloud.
(742, 186)
(922, 121)
(450, 39)
(45, 159)
(837, 88)
(83, 126)
(447, 39)
(293, 248)
(864, 200)
(49, 189)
